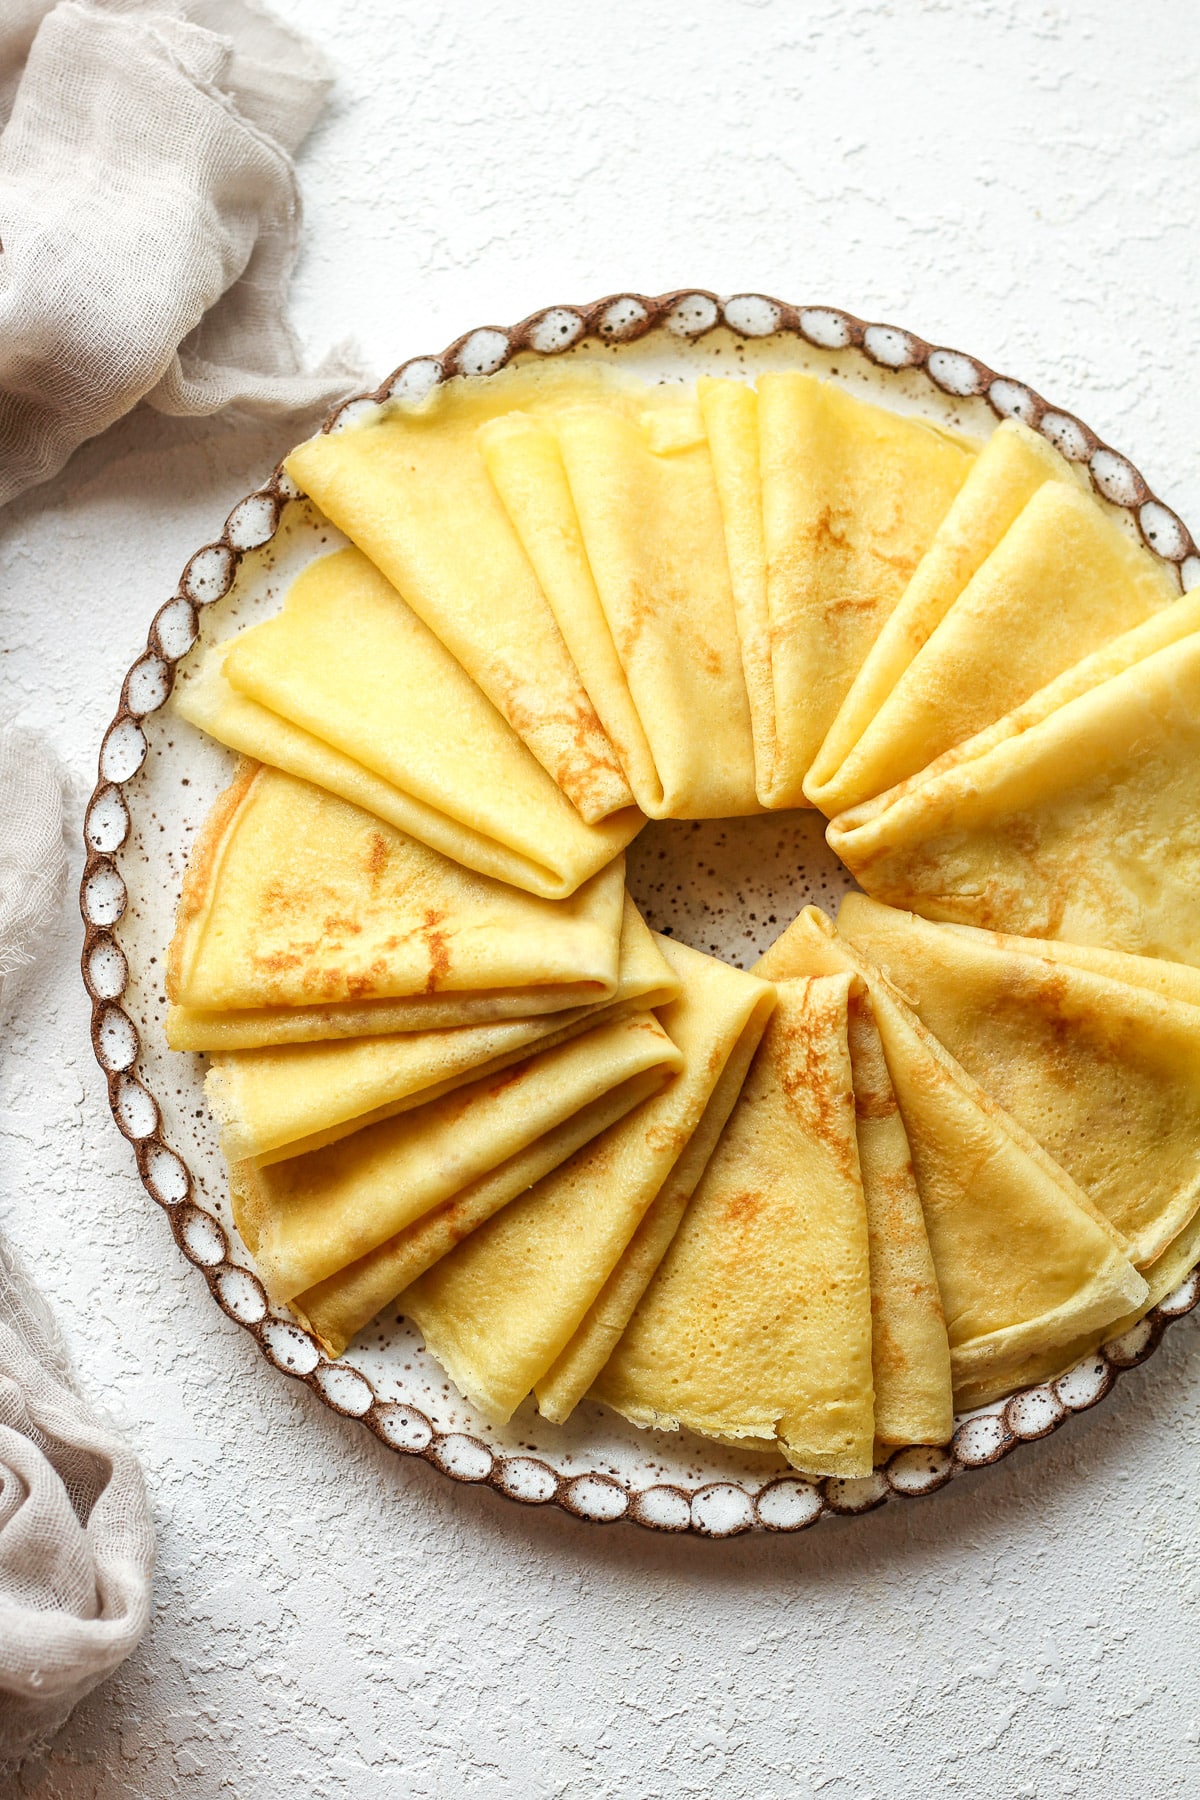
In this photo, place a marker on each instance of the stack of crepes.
(911, 1162)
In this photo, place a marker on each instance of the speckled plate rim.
(783, 1503)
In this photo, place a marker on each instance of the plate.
(727, 887)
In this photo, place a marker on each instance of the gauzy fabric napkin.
(149, 218)
(76, 1542)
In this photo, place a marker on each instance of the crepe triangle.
(910, 1352)
(303, 917)
(310, 1217)
(852, 495)
(409, 487)
(1074, 820)
(1104, 1073)
(757, 1325)
(633, 492)
(283, 1101)
(1024, 1260)
(504, 1307)
(1013, 463)
(1063, 581)
(348, 689)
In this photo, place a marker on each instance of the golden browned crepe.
(1075, 821)
(303, 917)
(757, 1325)
(1104, 1073)
(305, 1219)
(348, 689)
(1063, 581)
(501, 1310)
(852, 495)
(1024, 1260)
(409, 487)
(1010, 468)
(281, 1101)
(628, 539)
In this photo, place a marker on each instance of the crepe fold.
(1063, 581)
(1101, 1070)
(303, 917)
(757, 1325)
(513, 1309)
(617, 507)
(1073, 818)
(282, 1101)
(312, 1216)
(347, 688)
(1024, 1260)
(409, 487)
(852, 495)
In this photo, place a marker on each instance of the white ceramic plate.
(725, 887)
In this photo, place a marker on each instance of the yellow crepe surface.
(852, 495)
(348, 688)
(1024, 1260)
(1104, 1074)
(1012, 465)
(730, 413)
(646, 501)
(1081, 826)
(278, 1102)
(501, 1309)
(294, 898)
(758, 1322)
(308, 1217)
(910, 1351)
(410, 488)
(1063, 581)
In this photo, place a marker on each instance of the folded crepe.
(503, 1310)
(305, 1219)
(730, 413)
(409, 487)
(1063, 581)
(757, 1325)
(303, 917)
(624, 528)
(1013, 463)
(348, 689)
(1101, 1070)
(1162, 1278)
(852, 495)
(1073, 818)
(282, 1101)
(1024, 1260)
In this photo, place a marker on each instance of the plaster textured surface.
(1016, 178)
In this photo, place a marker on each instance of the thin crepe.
(910, 1351)
(303, 917)
(757, 1325)
(305, 1219)
(348, 689)
(278, 1102)
(503, 1308)
(1024, 1261)
(852, 495)
(1073, 818)
(626, 534)
(409, 487)
(1012, 465)
(1103, 1072)
(1063, 581)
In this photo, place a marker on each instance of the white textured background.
(1014, 178)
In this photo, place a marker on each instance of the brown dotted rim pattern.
(718, 1509)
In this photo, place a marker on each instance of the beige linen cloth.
(149, 218)
(76, 1542)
